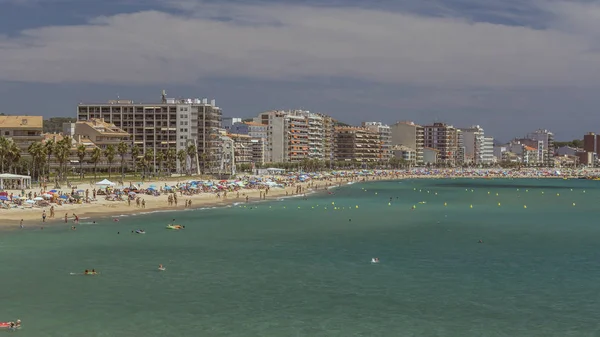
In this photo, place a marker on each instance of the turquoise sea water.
(287, 269)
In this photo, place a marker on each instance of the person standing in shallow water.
(44, 216)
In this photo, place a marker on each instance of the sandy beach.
(103, 208)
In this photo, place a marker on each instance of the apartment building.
(242, 148)
(356, 144)
(293, 136)
(459, 157)
(410, 135)
(228, 122)
(405, 153)
(171, 123)
(98, 132)
(488, 151)
(473, 142)
(258, 151)
(328, 137)
(545, 140)
(442, 137)
(22, 130)
(385, 138)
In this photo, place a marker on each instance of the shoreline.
(92, 212)
(102, 209)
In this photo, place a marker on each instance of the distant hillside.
(55, 124)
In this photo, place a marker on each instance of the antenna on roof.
(164, 97)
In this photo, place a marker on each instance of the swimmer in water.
(480, 241)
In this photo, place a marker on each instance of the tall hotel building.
(293, 136)
(385, 138)
(444, 138)
(172, 123)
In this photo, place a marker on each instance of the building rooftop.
(22, 122)
(103, 127)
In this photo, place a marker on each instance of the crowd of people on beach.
(293, 183)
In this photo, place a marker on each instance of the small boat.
(374, 260)
(139, 231)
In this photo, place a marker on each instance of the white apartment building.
(293, 136)
(172, 123)
(488, 151)
(385, 137)
(473, 142)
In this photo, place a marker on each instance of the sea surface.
(299, 267)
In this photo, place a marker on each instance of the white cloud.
(287, 42)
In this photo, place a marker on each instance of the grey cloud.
(285, 42)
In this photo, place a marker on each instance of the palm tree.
(160, 158)
(14, 156)
(109, 153)
(4, 146)
(147, 160)
(36, 151)
(171, 158)
(62, 151)
(192, 152)
(181, 157)
(135, 154)
(122, 150)
(49, 147)
(81, 155)
(95, 158)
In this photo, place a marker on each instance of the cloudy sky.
(511, 66)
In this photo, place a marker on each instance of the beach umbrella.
(3, 197)
(38, 198)
(64, 197)
(53, 191)
(30, 202)
(80, 191)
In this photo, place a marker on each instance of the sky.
(510, 66)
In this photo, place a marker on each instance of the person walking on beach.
(75, 218)
(21, 224)
(143, 203)
(52, 212)
(66, 217)
(44, 216)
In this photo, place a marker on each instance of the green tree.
(95, 158)
(122, 150)
(181, 157)
(109, 153)
(81, 152)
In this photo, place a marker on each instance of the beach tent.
(106, 182)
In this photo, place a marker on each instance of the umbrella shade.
(64, 197)
(47, 195)
(3, 197)
(30, 202)
(80, 191)
(38, 198)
